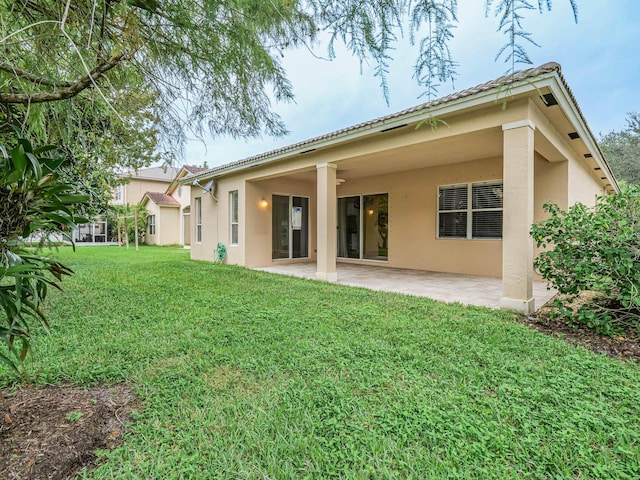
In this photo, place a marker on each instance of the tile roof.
(162, 199)
(500, 82)
(194, 170)
(165, 174)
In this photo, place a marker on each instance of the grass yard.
(247, 375)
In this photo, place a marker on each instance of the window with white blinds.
(470, 210)
(233, 215)
(198, 208)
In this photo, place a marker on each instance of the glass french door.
(290, 227)
(363, 227)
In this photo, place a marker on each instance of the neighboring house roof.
(160, 199)
(184, 171)
(504, 83)
(162, 174)
(194, 170)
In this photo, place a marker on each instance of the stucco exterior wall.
(583, 187)
(152, 209)
(167, 225)
(133, 191)
(551, 184)
(182, 194)
(235, 253)
(413, 204)
(204, 249)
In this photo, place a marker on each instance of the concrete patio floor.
(447, 287)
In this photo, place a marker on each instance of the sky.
(599, 55)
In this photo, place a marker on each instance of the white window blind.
(198, 219)
(233, 202)
(470, 210)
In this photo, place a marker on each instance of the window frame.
(198, 222)
(469, 210)
(152, 224)
(234, 201)
(118, 193)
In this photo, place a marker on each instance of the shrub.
(594, 250)
(32, 198)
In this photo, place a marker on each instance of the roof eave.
(552, 79)
(484, 97)
(569, 105)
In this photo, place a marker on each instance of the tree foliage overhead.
(209, 65)
(622, 150)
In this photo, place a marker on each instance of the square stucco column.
(327, 222)
(517, 245)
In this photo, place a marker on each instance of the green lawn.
(250, 375)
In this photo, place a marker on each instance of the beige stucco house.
(152, 179)
(459, 197)
(131, 192)
(137, 183)
(169, 212)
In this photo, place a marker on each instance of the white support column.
(327, 222)
(517, 245)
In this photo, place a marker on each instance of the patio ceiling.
(454, 149)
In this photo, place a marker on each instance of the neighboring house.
(169, 214)
(153, 179)
(163, 219)
(140, 181)
(459, 197)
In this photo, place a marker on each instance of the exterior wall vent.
(588, 155)
(573, 135)
(392, 128)
(549, 100)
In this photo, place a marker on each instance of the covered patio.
(446, 287)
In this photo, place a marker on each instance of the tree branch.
(33, 78)
(71, 91)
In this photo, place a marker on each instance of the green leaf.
(72, 199)
(6, 360)
(19, 160)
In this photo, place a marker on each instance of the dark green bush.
(594, 250)
(33, 198)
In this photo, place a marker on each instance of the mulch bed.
(625, 347)
(53, 432)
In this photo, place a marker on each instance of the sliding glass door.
(363, 230)
(349, 227)
(289, 227)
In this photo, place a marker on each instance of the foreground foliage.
(78, 67)
(251, 375)
(33, 200)
(595, 250)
